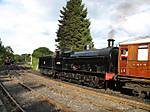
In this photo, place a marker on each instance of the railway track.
(50, 101)
(83, 100)
(107, 93)
(119, 103)
(121, 93)
(72, 97)
(21, 107)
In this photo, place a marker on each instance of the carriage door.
(123, 61)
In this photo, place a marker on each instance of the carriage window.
(143, 53)
(124, 54)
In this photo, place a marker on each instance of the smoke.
(111, 33)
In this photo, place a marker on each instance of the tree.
(18, 58)
(9, 50)
(73, 32)
(2, 53)
(26, 57)
(0, 43)
(41, 51)
(5, 52)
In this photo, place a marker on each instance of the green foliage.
(9, 50)
(73, 32)
(5, 52)
(2, 54)
(42, 51)
(26, 57)
(18, 58)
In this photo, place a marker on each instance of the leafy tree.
(2, 53)
(9, 52)
(18, 58)
(22, 58)
(73, 32)
(9, 49)
(0, 42)
(5, 52)
(41, 51)
(26, 57)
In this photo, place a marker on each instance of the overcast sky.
(28, 24)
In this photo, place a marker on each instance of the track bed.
(80, 99)
(24, 98)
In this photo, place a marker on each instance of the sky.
(28, 24)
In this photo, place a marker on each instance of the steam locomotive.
(110, 67)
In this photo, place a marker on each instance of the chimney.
(110, 42)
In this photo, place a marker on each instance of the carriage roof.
(136, 41)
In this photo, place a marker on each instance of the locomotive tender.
(110, 67)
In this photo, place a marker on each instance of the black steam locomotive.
(94, 68)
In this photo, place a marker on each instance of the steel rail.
(11, 98)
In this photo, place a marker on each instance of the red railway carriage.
(134, 64)
(134, 58)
